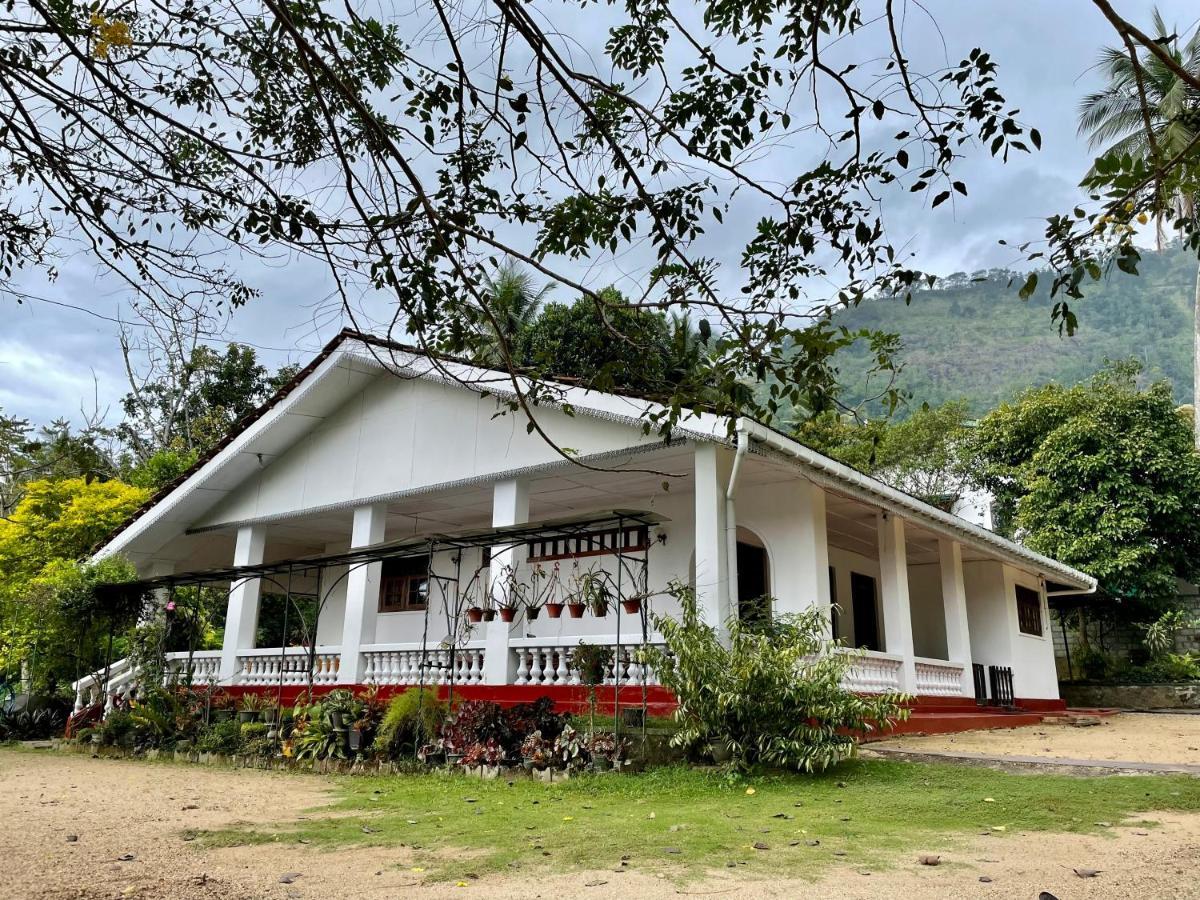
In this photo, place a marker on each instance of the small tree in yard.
(773, 695)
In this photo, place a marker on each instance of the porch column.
(954, 603)
(812, 553)
(362, 592)
(241, 617)
(712, 550)
(510, 506)
(893, 590)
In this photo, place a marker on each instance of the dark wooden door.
(866, 616)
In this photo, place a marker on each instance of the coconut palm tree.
(514, 303)
(1113, 119)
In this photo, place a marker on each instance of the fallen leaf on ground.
(1086, 873)
(288, 877)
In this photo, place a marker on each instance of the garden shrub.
(412, 719)
(118, 729)
(221, 737)
(32, 724)
(773, 695)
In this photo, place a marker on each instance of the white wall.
(1034, 673)
(927, 611)
(399, 435)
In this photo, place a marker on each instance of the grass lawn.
(682, 822)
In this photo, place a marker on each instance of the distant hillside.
(977, 340)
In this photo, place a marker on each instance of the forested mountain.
(971, 337)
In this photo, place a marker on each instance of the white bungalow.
(373, 453)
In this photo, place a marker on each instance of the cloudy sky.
(56, 360)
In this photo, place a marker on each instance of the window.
(404, 584)
(1029, 611)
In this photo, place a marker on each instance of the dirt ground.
(1134, 737)
(130, 822)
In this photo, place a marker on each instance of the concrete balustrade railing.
(874, 673)
(939, 678)
(204, 665)
(549, 661)
(406, 664)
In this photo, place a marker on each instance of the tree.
(515, 302)
(923, 454)
(170, 140)
(183, 405)
(49, 620)
(1148, 111)
(610, 347)
(1102, 476)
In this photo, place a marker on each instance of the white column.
(893, 590)
(241, 617)
(362, 592)
(812, 552)
(954, 603)
(712, 553)
(510, 506)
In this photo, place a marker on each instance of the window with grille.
(630, 539)
(404, 584)
(1029, 611)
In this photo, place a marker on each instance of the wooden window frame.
(397, 588)
(1029, 609)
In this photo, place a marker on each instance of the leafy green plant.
(412, 718)
(118, 729)
(32, 724)
(592, 661)
(221, 737)
(773, 694)
(1160, 634)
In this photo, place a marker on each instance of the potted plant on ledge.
(249, 708)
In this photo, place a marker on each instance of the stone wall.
(1133, 696)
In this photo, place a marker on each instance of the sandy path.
(119, 807)
(1139, 737)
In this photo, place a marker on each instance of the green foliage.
(161, 468)
(945, 329)
(412, 719)
(1102, 476)
(603, 343)
(32, 723)
(319, 732)
(1160, 634)
(922, 454)
(221, 737)
(772, 694)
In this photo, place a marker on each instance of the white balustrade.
(287, 666)
(551, 661)
(408, 664)
(939, 678)
(873, 673)
(205, 666)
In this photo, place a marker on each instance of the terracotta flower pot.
(507, 613)
(475, 614)
(554, 610)
(488, 615)
(576, 610)
(631, 606)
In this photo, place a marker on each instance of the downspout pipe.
(743, 447)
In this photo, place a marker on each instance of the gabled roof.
(352, 359)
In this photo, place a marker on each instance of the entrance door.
(866, 616)
(754, 605)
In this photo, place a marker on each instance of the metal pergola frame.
(501, 538)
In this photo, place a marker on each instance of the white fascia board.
(840, 476)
